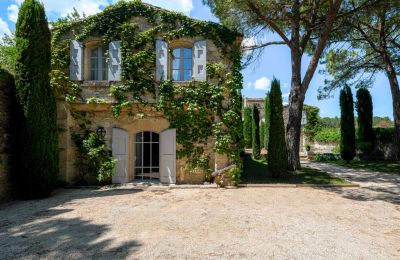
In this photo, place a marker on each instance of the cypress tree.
(247, 133)
(365, 132)
(255, 126)
(262, 134)
(347, 128)
(277, 152)
(39, 157)
(267, 116)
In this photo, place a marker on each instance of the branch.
(269, 22)
(250, 48)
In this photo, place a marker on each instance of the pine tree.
(365, 132)
(347, 128)
(247, 133)
(267, 116)
(255, 126)
(277, 153)
(262, 134)
(39, 156)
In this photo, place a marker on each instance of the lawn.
(256, 171)
(376, 166)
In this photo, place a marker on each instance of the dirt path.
(374, 185)
(247, 223)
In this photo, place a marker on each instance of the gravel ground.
(246, 223)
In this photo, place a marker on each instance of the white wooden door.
(168, 156)
(120, 154)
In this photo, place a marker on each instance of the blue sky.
(274, 61)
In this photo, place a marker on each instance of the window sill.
(96, 83)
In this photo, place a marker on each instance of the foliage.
(329, 122)
(384, 135)
(328, 136)
(312, 126)
(365, 133)
(277, 153)
(13, 123)
(94, 159)
(247, 132)
(262, 134)
(39, 156)
(255, 126)
(196, 109)
(8, 53)
(267, 112)
(326, 157)
(347, 128)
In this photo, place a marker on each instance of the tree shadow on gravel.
(43, 232)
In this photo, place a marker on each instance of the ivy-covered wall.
(202, 112)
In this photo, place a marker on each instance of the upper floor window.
(98, 64)
(182, 63)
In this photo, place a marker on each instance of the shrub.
(365, 133)
(326, 157)
(94, 159)
(313, 125)
(267, 118)
(247, 133)
(347, 128)
(255, 126)
(277, 153)
(39, 157)
(328, 136)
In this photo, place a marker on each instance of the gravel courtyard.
(246, 223)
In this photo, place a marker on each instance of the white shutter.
(120, 154)
(114, 63)
(168, 156)
(161, 60)
(76, 63)
(200, 60)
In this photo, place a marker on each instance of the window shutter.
(76, 63)
(114, 63)
(199, 61)
(161, 60)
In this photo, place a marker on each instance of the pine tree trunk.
(394, 87)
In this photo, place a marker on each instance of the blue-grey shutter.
(114, 63)
(76, 63)
(200, 60)
(161, 60)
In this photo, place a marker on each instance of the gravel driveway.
(246, 223)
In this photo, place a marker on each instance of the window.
(182, 61)
(98, 64)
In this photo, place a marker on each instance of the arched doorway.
(147, 156)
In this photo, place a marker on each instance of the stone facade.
(139, 118)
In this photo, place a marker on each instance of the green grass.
(376, 166)
(256, 172)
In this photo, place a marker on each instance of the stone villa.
(141, 137)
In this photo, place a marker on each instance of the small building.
(156, 85)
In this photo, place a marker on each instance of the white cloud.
(248, 85)
(12, 12)
(4, 29)
(285, 95)
(263, 83)
(248, 42)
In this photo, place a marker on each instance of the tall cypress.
(39, 156)
(247, 133)
(262, 134)
(365, 132)
(347, 128)
(255, 126)
(277, 152)
(267, 116)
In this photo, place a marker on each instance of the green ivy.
(198, 110)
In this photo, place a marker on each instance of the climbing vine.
(198, 110)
